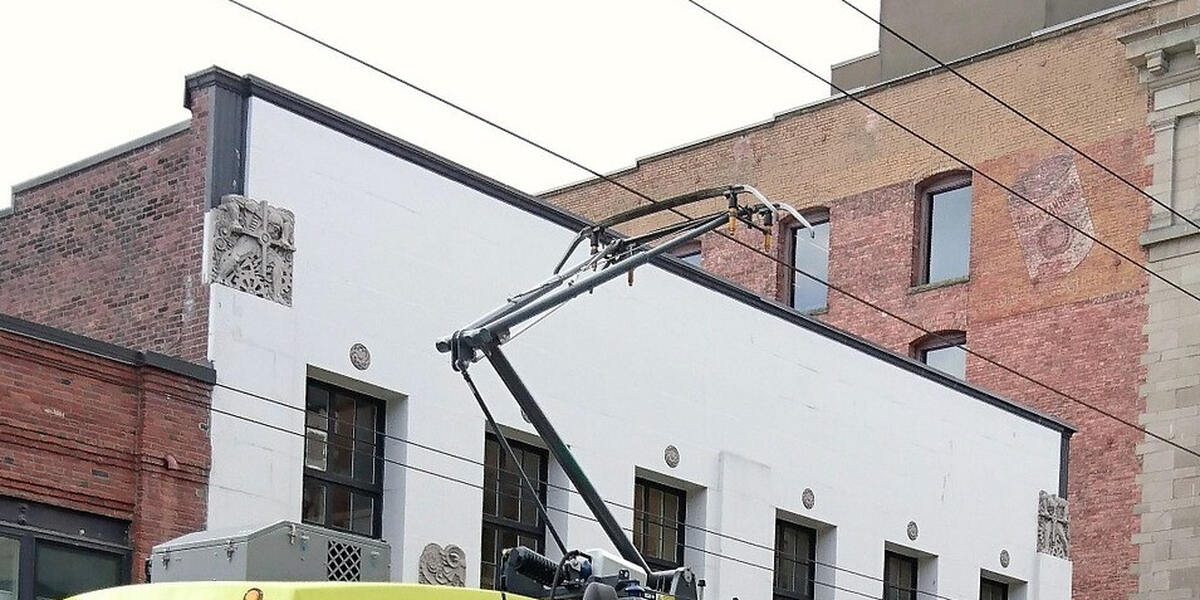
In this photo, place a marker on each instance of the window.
(59, 553)
(343, 460)
(810, 255)
(510, 514)
(899, 577)
(659, 514)
(690, 253)
(795, 561)
(944, 231)
(992, 590)
(943, 352)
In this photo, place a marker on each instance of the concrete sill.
(925, 287)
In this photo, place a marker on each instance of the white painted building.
(782, 425)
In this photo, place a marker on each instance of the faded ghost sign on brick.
(1051, 249)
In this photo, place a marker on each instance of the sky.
(602, 81)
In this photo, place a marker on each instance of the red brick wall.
(87, 433)
(114, 251)
(1079, 331)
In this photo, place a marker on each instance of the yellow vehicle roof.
(316, 590)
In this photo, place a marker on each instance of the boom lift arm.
(611, 256)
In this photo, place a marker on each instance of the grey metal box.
(282, 551)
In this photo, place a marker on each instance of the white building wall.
(394, 256)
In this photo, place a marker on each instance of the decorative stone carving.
(913, 532)
(360, 357)
(671, 456)
(1005, 558)
(808, 498)
(252, 247)
(1051, 248)
(1054, 526)
(442, 566)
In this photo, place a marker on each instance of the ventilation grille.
(343, 562)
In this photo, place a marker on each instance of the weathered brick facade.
(103, 430)
(1069, 315)
(113, 250)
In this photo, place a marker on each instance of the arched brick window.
(942, 351)
(943, 228)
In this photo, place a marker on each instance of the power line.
(932, 334)
(945, 152)
(483, 488)
(1023, 116)
(664, 520)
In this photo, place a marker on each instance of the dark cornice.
(393, 145)
(121, 354)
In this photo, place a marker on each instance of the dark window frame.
(791, 229)
(888, 557)
(48, 526)
(923, 238)
(373, 490)
(656, 563)
(784, 593)
(502, 524)
(922, 346)
(984, 582)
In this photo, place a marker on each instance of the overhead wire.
(567, 512)
(1058, 138)
(930, 333)
(948, 154)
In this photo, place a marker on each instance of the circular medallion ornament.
(360, 357)
(671, 456)
(1004, 558)
(912, 530)
(808, 498)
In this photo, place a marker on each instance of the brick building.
(910, 231)
(103, 453)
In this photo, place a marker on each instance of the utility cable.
(1022, 115)
(480, 487)
(945, 152)
(537, 498)
(932, 334)
(664, 520)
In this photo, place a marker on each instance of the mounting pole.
(562, 454)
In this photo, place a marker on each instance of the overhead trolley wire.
(1058, 138)
(664, 520)
(948, 154)
(932, 334)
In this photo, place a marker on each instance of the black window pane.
(64, 571)
(795, 551)
(491, 476)
(809, 256)
(364, 425)
(313, 506)
(992, 590)
(900, 576)
(658, 528)
(949, 234)
(362, 516)
(490, 554)
(951, 360)
(364, 462)
(337, 499)
(317, 404)
(10, 556)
